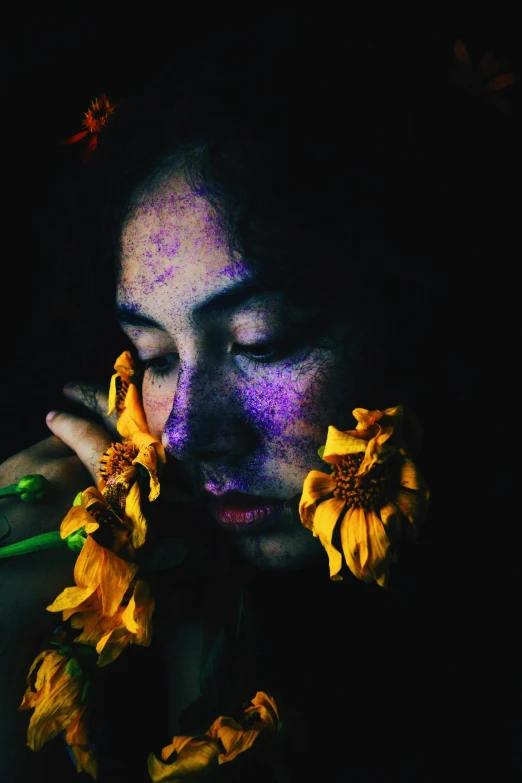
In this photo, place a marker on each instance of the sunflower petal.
(198, 758)
(410, 476)
(339, 443)
(132, 420)
(116, 576)
(134, 513)
(76, 518)
(316, 486)
(325, 520)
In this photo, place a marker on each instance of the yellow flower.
(198, 757)
(97, 567)
(120, 463)
(196, 760)
(372, 495)
(110, 635)
(54, 691)
(120, 381)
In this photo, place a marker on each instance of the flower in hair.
(485, 80)
(96, 118)
(372, 496)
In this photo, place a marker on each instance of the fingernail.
(50, 416)
(68, 388)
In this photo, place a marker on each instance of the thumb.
(87, 438)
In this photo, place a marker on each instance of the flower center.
(369, 492)
(117, 458)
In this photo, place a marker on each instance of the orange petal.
(112, 644)
(410, 476)
(316, 486)
(77, 137)
(116, 576)
(500, 82)
(197, 759)
(134, 513)
(378, 544)
(132, 420)
(461, 53)
(88, 566)
(325, 520)
(353, 528)
(71, 598)
(76, 518)
(339, 443)
(266, 707)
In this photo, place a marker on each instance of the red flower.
(485, 80)
(96, 118)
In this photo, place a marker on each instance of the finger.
(88, 439)
(95, 398)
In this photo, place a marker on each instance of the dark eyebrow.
(129, 317)
(226, 300)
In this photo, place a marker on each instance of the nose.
(205, 423)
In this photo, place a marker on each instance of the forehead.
(174, 240)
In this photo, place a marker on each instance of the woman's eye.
(264, 353)
(160, 366)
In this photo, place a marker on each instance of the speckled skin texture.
(237, 423)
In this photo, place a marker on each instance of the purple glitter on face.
(244, 415)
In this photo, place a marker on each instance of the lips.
(241, 513)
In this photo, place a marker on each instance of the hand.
(69, 459)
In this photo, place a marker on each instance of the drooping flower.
(55, 687)
(120, 381)
(123, 462)
(372, 497)
(96, 118)
(98, 567)
(199, 757)
(110, 635)
(484, 81)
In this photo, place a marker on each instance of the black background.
(55, 326)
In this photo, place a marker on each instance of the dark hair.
(307, 173)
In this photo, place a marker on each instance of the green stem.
(34, 544)
(10, 492)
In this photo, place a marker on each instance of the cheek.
(292, 406)
(157, 401)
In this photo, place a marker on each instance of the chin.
(280, 551)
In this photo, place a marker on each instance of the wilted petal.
(365, 545)
(133, 419)
(352, 529)
(196, 761)
(134, 513)
(325, 520)
(136, 616)
(116, 576)
(76, 518)
(339, 443)
(112, 644)
(77, 738)
(265, 708)
(316, 486)
(233, 737)
(410, 476)
(412, 505)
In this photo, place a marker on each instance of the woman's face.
(234, 386)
